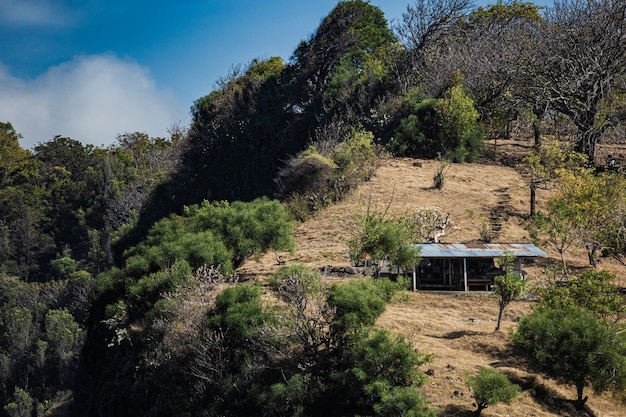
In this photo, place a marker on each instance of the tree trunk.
(533, 197)
(537, 132)
(480, 409)
(499, 317)
(580, 401)
(587, 144)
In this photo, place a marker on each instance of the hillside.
(458, 328)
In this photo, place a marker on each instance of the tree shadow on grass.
(461, 333)
(454, 410)
(548, 398)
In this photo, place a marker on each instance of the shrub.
(358, 304)
(490, 387)
(576, 347)
(315, 179)
(446, 126)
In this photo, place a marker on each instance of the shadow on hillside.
(547, 397)
(454, 410)
(461, 333)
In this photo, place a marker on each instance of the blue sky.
(91, 69)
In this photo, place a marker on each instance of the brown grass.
(457, 327)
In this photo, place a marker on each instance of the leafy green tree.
(22, 404)
(342, 64)
(596, 211)
(461, 136)
(356, 306)
(365, 382)
(507, 287)
(549, 163)
(64, 335)
(491, 387)
(592, 290)
(576, 347)
(447, 126)
(383, 238)
(12, 157)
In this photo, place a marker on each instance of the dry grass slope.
(458, 328)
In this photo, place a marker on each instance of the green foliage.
(576, 347)
(592, 290)
(312, 181)
(238, 312)
(596, 211)
(415, 135)
(382, 239)
(461, 136)
(22, 404)
(296, 281)
(63, 266)
(366, 381)
(13, 159)
(447, 126)
(357, 304)
(491, 387)
(63, 335)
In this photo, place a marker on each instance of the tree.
(22, 404)
(447, 127)
(12, 156)
(581, 64)
(592, 290)
(595, 208)
(490, 387)
(549, 163)
(429, 224)
(488, 48)
(426, 22)
(461, 136)
(576, 347)
(555, 228)
(382, 238)
(507, 287)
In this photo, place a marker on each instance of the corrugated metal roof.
(479, 250)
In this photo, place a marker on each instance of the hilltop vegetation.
(135, 279)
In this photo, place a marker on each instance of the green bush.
(22, 404)
(313, 180)
(365, 380)
(447, 126)
(576, 347)
(491, 387)
(358, 304)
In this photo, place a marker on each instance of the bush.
(315, 179)
(358, 304)
(447, 126)
(576, 347)
(490, 387)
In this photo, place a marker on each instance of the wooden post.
(465, 273)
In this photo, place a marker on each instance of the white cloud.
(32, 13)
(90, 99)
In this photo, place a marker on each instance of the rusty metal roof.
(479, 250)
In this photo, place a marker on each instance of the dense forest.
(118, 265)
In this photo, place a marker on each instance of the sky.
(93, 69)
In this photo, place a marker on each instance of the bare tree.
(427, 21)
(582, 64)
(425, 31)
